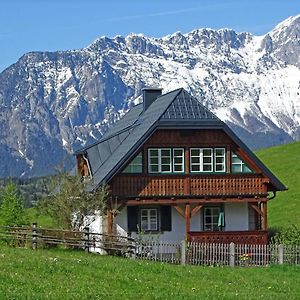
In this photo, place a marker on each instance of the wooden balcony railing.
(192, 185)
(258, 237)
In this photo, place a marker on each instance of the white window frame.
(241, 164)
(213, 226)
(182, 157)
(201, 160)
(160, 157)
(149, 219)
(218, 164)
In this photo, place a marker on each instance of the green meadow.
(66, 274)
(284, 162)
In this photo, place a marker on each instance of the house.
(177, 172)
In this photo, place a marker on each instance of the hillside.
(63, 274)
(284, 162)
(54, 102)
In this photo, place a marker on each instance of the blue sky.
(49, 25)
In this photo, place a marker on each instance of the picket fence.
(218, 254)
(192, 253)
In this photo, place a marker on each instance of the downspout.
(88, 164)
(274, 195)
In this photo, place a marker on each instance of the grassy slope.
(63, 274)
(284, 162)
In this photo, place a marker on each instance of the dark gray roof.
(176, 109)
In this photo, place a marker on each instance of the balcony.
(188, 185)
(257, 237)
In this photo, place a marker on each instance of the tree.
(12, 211)
(70, 205)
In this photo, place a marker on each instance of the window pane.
(165, 152)
(207, 160)
(246, 169)
(166, 168)
(195, 152)
(219, 160)
(236, 160)
(178, 160)
(219, 152)
(195, 160)
(178, 152)
(195, 168)
(154, 161)
(166, 160)
(153, 152)
(178, 168)
(207, 152)
(236, 168)
(220, 168)
(207, 168)
(153, 168)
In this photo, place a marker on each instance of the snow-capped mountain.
(54, 102)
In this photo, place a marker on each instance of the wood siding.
(176, 185)
(189, 184)
(257, 237)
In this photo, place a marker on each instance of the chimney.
(150, 95)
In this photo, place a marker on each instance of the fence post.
(86, 239)
(183, 252)
(34, 236)
(280, 254)
(231, 254)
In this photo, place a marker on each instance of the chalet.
(177, 172)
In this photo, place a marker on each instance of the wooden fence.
(218, 254)
(192, 253)
(45, 238)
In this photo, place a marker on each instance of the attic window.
(238, 165)
(135, 166)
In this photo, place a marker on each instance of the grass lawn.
(284, 162)
(64, 274)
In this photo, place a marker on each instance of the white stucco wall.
(236, 216)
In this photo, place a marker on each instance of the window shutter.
(132, 218)
(166, 218)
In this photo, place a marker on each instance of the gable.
(176, 109)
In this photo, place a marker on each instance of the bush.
(287, 236)
(12, 211)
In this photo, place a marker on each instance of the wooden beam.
(255, 207)
(192, 201)
(196, 209)
(180, 211)
(228, 159)
(187, 220)
(264, 216)
(109, 222)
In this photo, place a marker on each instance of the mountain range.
(52, 103)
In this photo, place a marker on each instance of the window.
(220, 160)
(178, 160)
(238, 165)
(136, 165)
(149, 219)
(163, 160)
(211, 218)
(207, 160)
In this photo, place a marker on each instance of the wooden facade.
(194, 191)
